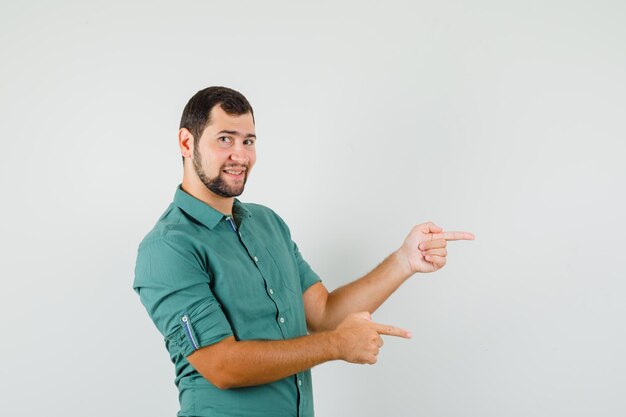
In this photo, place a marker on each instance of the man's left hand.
(424, 249)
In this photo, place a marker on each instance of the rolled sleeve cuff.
(204, 326)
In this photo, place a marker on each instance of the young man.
(229, 290)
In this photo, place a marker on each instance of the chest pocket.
(284, 266)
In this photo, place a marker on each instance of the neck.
(196, 188)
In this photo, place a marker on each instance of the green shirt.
(203, 277)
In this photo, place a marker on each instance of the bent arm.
(230, 363)
(423, 250)
(324, 310)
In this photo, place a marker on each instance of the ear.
(185, 142)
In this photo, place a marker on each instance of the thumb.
(431, 227)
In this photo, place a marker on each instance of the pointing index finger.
(391, 330)
(454, 236)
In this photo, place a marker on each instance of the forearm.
(233, 363)
(366, 293)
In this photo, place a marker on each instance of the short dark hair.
(197, 112)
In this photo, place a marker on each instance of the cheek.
(212, 164)
(251, 159)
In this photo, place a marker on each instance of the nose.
(239, 153)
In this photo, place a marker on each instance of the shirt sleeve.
(308, 277)
(174, 288)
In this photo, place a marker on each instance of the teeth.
(234, 172)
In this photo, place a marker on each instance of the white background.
(503, 118)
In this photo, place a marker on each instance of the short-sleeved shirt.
(204, 276)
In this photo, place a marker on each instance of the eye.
(224, 140)
(248, 142)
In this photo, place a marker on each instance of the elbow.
(221, 384)
(317, 328)
(215, 364)
(311, 328)
(322, 324)
(319, 323)
(219, 378)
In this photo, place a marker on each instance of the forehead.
(220, 120)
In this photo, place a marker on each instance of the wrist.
(402, 261)
(333, 344)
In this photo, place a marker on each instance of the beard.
(217, 184)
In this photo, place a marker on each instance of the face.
(225, 153)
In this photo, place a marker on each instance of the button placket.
(252, 248)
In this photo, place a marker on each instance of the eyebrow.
(236, 133)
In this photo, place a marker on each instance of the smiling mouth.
(235, 171)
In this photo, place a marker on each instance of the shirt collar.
(240, 210)
(204, 213)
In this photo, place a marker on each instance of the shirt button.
(282, 319)
(300, 382)
(256, 259)
(271, 291)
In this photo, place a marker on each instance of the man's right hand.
(358, 337)
(230, 363)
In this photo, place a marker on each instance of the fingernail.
(409, 335)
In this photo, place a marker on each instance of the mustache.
(243, 167)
